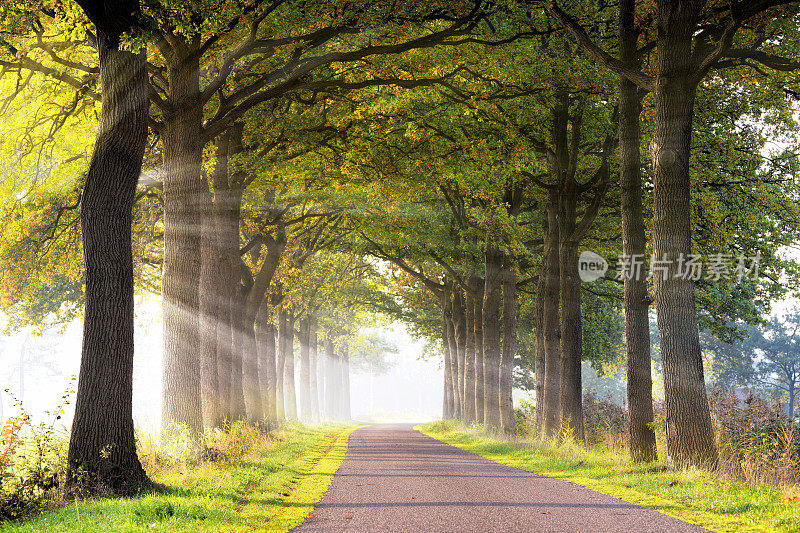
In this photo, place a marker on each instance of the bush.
(178, 446)
(33, 463)
(234, 442)
(604, 421)
(525, 418)
(757, 442)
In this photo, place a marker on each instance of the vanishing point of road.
(396, 479)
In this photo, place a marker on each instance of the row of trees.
(308, 165)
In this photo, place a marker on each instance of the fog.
(410, 390)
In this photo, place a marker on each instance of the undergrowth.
(235, 474)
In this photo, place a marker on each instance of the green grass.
(272, 489)
(692, 495)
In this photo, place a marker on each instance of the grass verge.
(692, 495)
(273, 488)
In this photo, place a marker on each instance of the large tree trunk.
(251, 380)
(305, 370)
(102, 437)
(338, 363)
(330, 379)
(289, 394)
(210, 278)
(551, 326)
(453, 348)
(227, 205)
(219, 282)
(183, 208)
(571, 340)
(346, 412)
(563, 168)
(469, 358)
(491, 337)
(477, 286)
(238, 406)
(449, 403)
(539, 361)
(254, 301)
(509, 281)
(637, 327)
(226, 209)
(690, 435)
(280, 367)
(460, 334)
(265, 338)
(314, 362)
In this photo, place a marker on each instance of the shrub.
(525, 418)
(234, 442)
(605, 422)
(33, 463)
(757, 442)
(178, 446)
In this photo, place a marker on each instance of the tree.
(692, 40)
(637, 301)
(102, 439)
(777, 349)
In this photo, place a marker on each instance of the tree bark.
(346, 411)
(571, 340)
(330, 379)
(280, 367)
(289, 394)
(637, 303)
(251, 378)
(314, 362)
(238, 406)
(491, 337)
(469, 358)
(218, 294)
(254, 300)
(551, 399)
(460, 333)
(449, 403)
(690, 435)
(564, 169)
(265, 337)
(478, 333)
(226, 213)
(539, 361)
(451, 341)
(305, 370)
(506, 378)
(210, 311)
(183, 209)
(102, 436)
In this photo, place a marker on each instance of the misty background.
(38, 368)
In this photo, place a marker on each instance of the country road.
(397, 479)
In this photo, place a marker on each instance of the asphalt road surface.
(396, 479)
